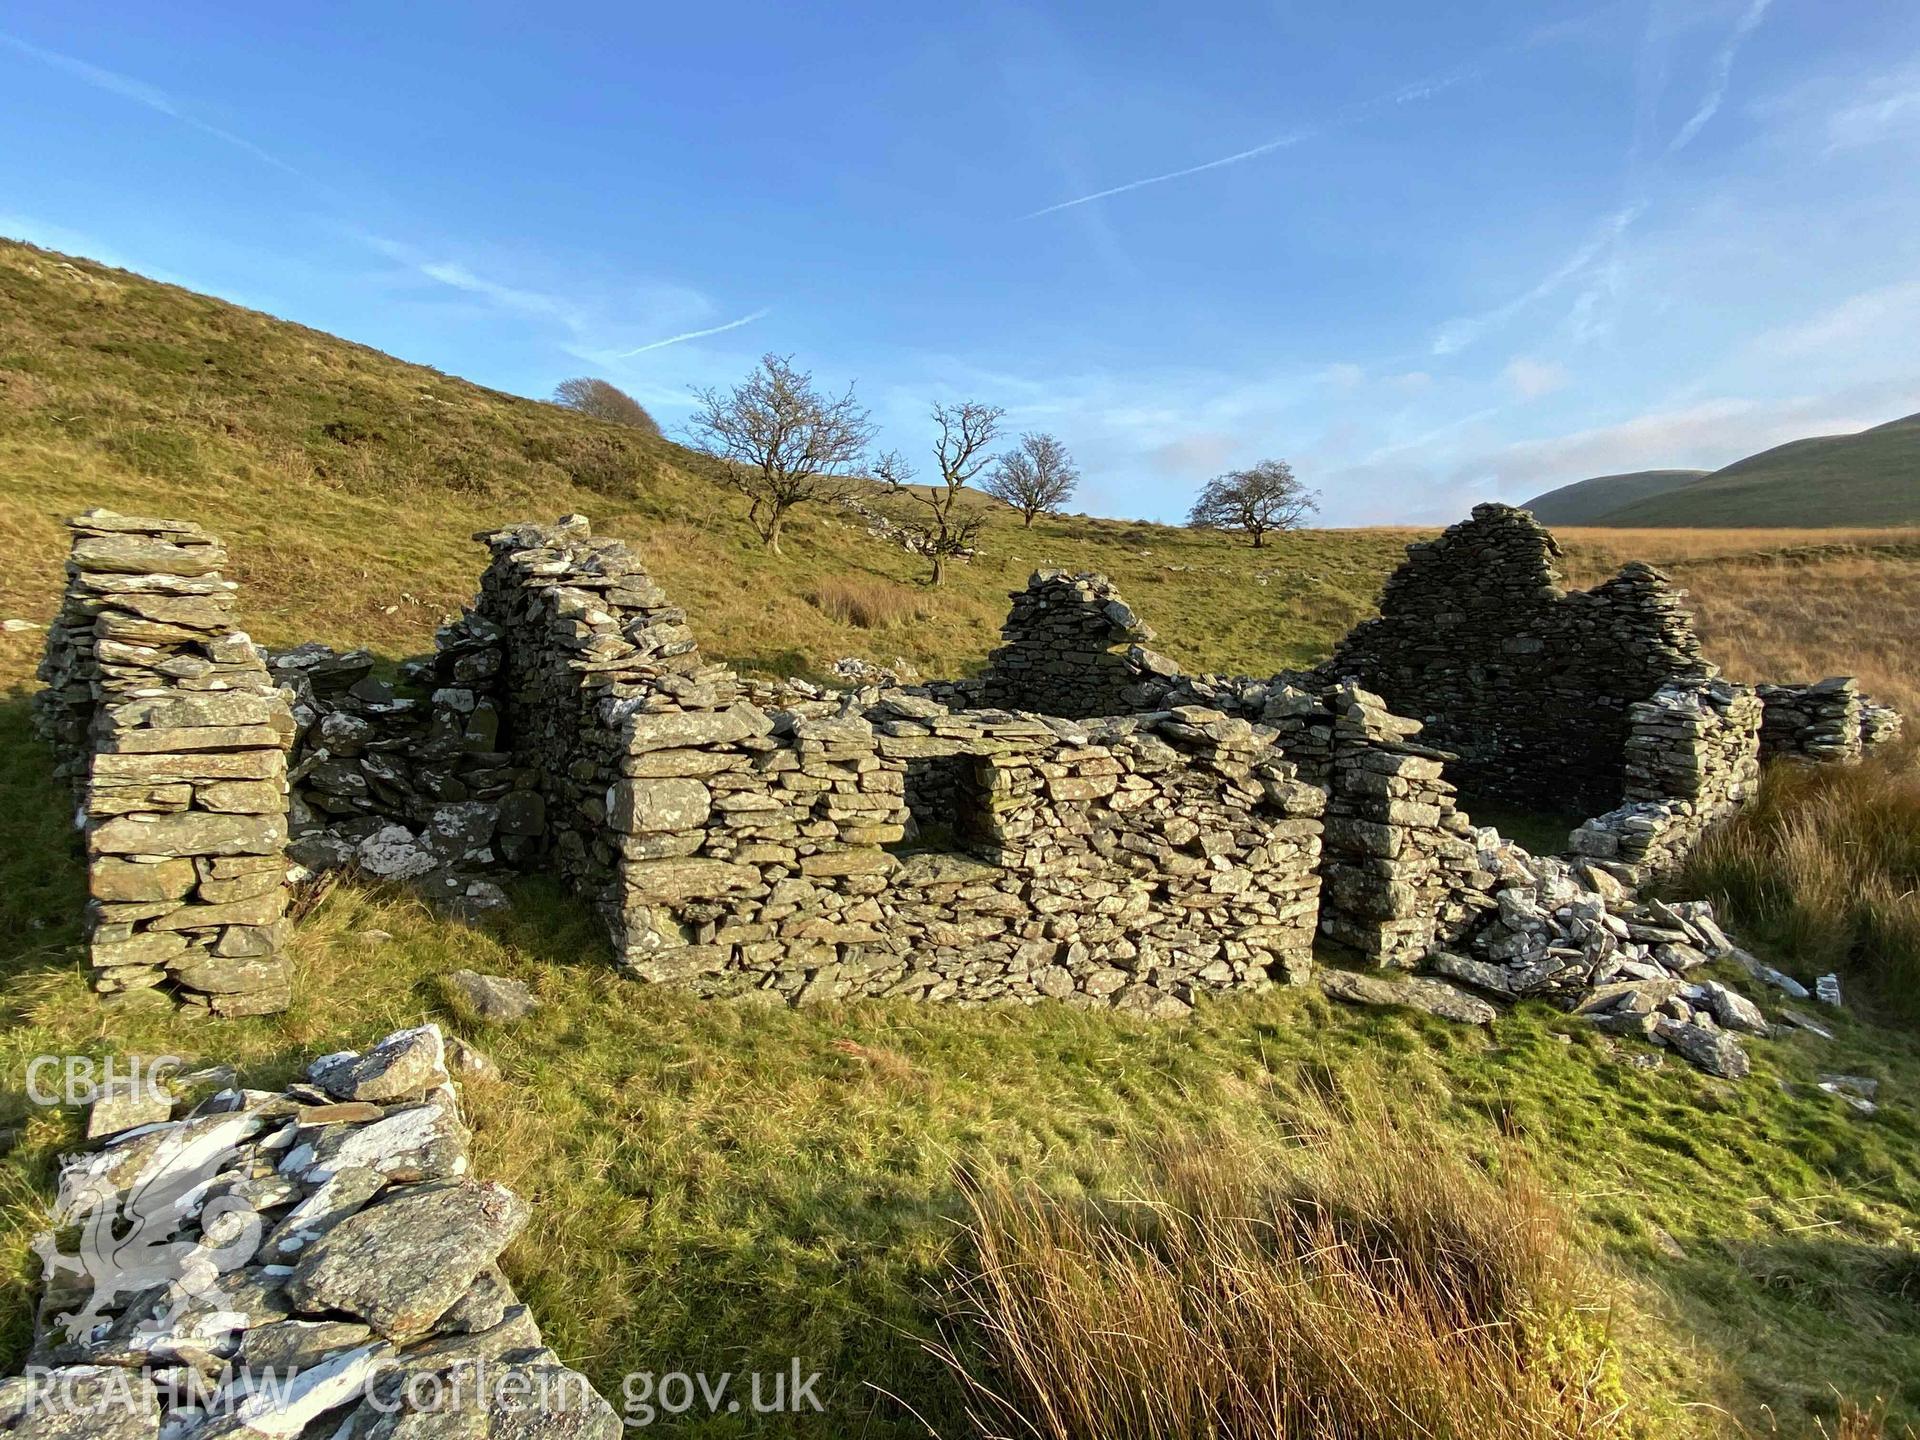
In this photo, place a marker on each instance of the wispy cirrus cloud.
(1720, 75)
(141, 93)
(586, 324)
(1417, 91)
(1572, 29)
(1457, 334)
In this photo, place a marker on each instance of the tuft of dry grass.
(1824, 870)
(866, 602)
(1360, 1284)
(1868, 1423)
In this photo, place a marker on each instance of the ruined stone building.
(1083, 821)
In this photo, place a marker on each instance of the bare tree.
(604, 401)
(945, 529)
(783, 443)
(1038, 478)
(1254, 501)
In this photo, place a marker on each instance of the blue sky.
(1431, 254)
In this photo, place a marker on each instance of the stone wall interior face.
(1130, 862)
(165, 719)
(1529, 684)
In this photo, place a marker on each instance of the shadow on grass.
(1858, 1302)
(43, 885)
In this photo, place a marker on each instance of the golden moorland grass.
(1353, 1281)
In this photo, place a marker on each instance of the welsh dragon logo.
(162, 1230)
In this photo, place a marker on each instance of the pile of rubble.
(175, 738)
(316, 1261)
(1571, 934)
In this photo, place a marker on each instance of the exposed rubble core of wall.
(1131, 862)
(1529, 684)
(316, 1261)
(1061, 655)
(174, 737)
(408, 787)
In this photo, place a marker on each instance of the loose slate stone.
(1714, 1051)
(405, 1065)
(1432, 996)
(494, 997)
(401, 1264)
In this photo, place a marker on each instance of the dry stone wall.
(1061, 657)
(795, 843)
(590, 647)
(1829, 720)
(1131, 862)
(174, 737)
(1692, 760)
(1529, 684)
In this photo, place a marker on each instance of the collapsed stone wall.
(313, 1261)
(1060, 657)
(409, 786)
(1130, 862)
(1529, 684)
(1692, 760)
(165, 721)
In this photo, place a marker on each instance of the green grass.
(348, 484)
(721, 1187)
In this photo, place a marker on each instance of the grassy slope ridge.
(347, 484)
(1585, 501)
(1872, 478)
(722, 1188)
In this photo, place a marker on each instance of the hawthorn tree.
(942, 527)
(1254, 501)
(1037, 478)
(604, 401)
(782, 442)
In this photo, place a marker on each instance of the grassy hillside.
(1872, 478)
(720, 1187)
(348, 484)
(1585, 501)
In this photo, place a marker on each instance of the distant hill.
(1585, 501)
(1869, 478)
